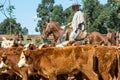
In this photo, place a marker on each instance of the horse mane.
(56, 25)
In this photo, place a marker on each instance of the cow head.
(22, 62)
(25, 59)
(3, 59)
(29, 46)
(2, 64)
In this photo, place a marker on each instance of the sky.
(25, 11)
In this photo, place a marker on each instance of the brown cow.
(118, 63)
(9, 58)
(50, 62)
(12, 58)
(107, 61)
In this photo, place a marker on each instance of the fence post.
(117, 39)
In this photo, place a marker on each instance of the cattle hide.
(50, 62)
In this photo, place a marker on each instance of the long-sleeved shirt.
(77, 19)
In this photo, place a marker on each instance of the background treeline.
(9, 25)
(102, 18)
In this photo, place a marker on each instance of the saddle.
(82, 35)
(79, 26)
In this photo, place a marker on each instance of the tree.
(25, 31)
(102, 18)
(114, 18)
(10, 11)
(9, 25)
(16, 27)
(92, 9)
(44, 12)
(68, 15)
(57, 14)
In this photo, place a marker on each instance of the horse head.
(52, 28)
(48, 30)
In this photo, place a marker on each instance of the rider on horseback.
(78, 22)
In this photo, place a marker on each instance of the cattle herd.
(49, 62)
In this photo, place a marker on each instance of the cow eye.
(27, 56)
(22, 57)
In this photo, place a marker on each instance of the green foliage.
(68, 15)
(114, 18)
(102, 18)
(15, 27)
(24, 31)
(10, 11)
(9, 25)
(92, 9)
(40, 41)
(57, 14)
(44, 12)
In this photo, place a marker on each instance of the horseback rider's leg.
(74, 34)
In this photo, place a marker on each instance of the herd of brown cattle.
(83, 62)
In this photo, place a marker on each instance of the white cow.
(6, 43)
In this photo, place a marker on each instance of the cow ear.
(27, 53)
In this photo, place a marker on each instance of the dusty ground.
(33, 37)
(25, 36)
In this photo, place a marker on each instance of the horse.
(55, 29)
(95, 38)
(84, 37)
(112, 38)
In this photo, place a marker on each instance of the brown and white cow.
(50, 62)
(13, 55)
(9, 60)
(4, 67)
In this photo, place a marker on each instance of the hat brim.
(76, 4)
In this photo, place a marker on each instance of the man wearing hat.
(78, 22)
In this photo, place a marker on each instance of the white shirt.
(77, 19)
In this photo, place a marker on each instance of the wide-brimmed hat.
(75, 6)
